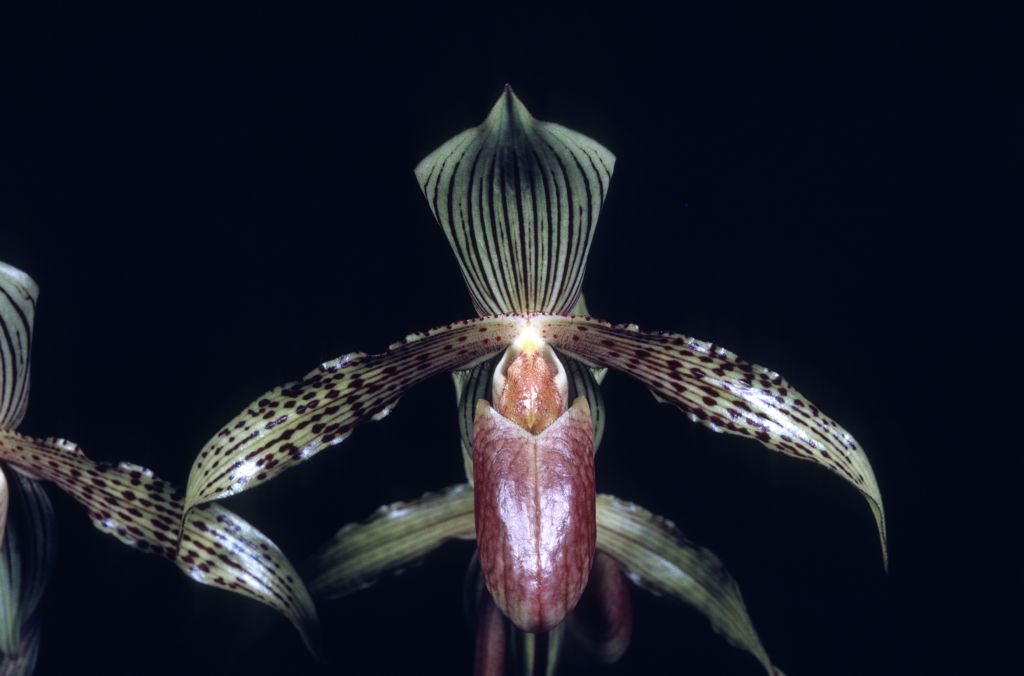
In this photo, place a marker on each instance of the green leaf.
(18, 295)
(25, 563)
(723, 392)
(290, 424)
(393, 537)
(656, 556)
(213, 546)
(518, 200)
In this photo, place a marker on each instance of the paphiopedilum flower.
(212, 545)
(27, 537)
(518, 200)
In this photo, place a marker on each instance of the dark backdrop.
(214, 203)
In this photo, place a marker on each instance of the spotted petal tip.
(213, 546)
(720, 390)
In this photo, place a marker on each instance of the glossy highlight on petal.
(535, 513)
(723, 392)
(292, 423)
(213, 546)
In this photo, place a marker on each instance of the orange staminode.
(530, 396)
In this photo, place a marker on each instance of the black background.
(213, 203)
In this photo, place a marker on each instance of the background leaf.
(395, 536)
(18, 295)
(656, 556)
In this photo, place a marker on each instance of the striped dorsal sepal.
(518, 200)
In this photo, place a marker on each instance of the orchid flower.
(27, 537)
(518, 200)
(212, 545)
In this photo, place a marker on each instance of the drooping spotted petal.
(656, 556)
(723, 392)
(213, 546)
(290, 424)
(534, 512)
(18, 295)
(518, 200)
(25, 563)
(395, 536)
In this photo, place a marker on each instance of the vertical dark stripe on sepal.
(17, 309)
(476, 386)
(518, 200)
(582, 383)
